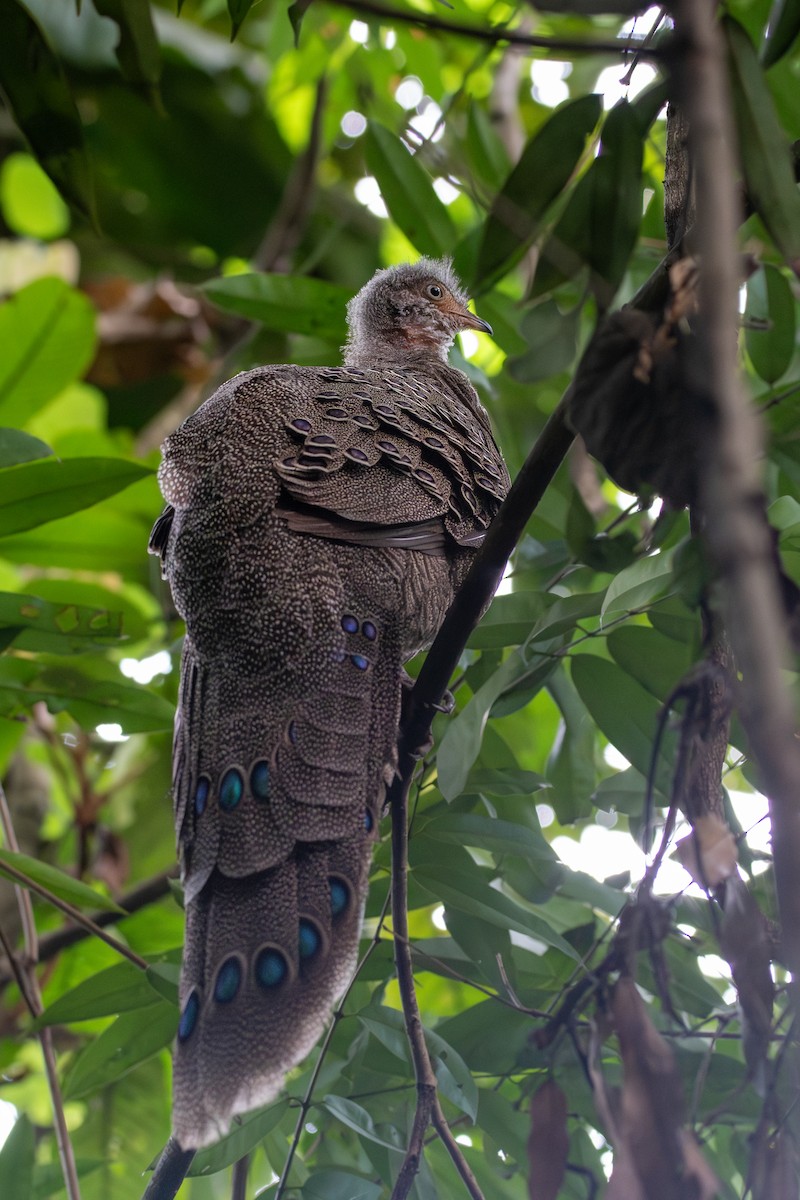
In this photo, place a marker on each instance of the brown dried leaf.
(652, 1097)
(745, 943)
(548, 1143)
(713, 841)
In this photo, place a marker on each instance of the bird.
(318, 522)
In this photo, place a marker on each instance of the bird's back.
(319, 522)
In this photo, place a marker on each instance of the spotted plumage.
(318, 522)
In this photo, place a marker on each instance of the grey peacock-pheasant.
(318, 522)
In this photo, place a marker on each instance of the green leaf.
(339, 1185)
(552, 338)
(542, 173)
(62, 621)
(408, 192)
(39, 100)
(770, 301)
(288, 304)
(131, 1039)
(356, 1118)
(763, 146)
(120, 988)
(137, 51)
(238, 10)
(34, 493)
(18, 447)
(488, 833)
(245, 1135)
(462, 740)
(625, 712)
(784, 26)
(600, 223)
(453, 1076)
(17, 1158)
(653, 659)
(88, 690)
(48, 1178)
(639, 584)
(55, 881)
(487, 154)
(571, 769)
(616, 210)
(47, 331)
(466, 890)
(509, 620)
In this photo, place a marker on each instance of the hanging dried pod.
(637, 400)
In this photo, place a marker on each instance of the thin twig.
(25, 882)
(33, 999)
(133, 901)
(487, 33)
(239, 1184)
(423, 1070)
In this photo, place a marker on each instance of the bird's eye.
(435, 291)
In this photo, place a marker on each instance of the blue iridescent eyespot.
(229, 978)
(340, 895)
(201, 794)
(359, 661)
(259, 779)
(369, 821)
(292, 732)
(369, 631)
(231, 789)
(189, 1017)
(310, 939)
(349, 624)
(271, 968)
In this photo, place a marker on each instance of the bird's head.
(414, 310)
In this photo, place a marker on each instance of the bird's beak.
(468, 320)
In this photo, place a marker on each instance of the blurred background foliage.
(176, 206)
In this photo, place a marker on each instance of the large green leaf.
(637, 586)
(488, 833)
(131, 1039)
(45, 625)
(17, 1158)
(408, 192)
(464, 887)
(770, 302)
(289, 304)
(356, 1118)
(36, 492)
(55, 881)
(89, 690)
(542, 172)
(117, 989)
(137, 50)
(763, 146)
(625, 712)
(238, 10)
(39, 100)
(18, 447)
(339, 1185)
(599, 225)
(784, 26)
(47, 331)
(247, 1132)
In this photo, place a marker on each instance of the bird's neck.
(376, 349)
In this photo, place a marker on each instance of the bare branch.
(497, 34)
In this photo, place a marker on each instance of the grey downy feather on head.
(318, 523)
(414, 309)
